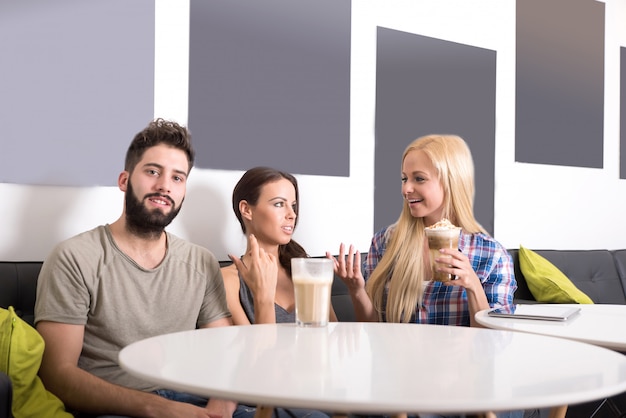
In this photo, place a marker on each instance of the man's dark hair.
(159, 131)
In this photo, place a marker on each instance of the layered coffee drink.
(442, 234)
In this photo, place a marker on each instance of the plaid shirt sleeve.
(494, 267)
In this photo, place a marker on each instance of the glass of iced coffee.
(312, 282)
(442, 234)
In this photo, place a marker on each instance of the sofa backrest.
(601, 274)
(341, 301)
(6, 395)
(619, 257)
(594, 272)
(18, 287)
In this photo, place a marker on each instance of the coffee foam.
(443, 224)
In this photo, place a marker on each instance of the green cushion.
(546, 282)
(21, 349)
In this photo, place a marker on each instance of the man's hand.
(218, 408)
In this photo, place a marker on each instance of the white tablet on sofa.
(530, 311)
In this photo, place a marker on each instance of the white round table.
(602, 325)
(379, 367)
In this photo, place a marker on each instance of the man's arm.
(85, 392)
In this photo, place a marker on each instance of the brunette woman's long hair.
(402, 266)
(249, 187)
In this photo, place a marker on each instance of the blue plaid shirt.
(447, 305)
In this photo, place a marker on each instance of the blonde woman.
(437, 182)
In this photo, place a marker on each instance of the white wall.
(538, 206)
(542, 206)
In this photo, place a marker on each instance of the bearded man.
(116, 284)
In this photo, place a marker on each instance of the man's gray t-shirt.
(87, 280)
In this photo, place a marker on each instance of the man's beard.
(143, 222)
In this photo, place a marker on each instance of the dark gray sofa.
(6, 396)
(18, 288)
(601, 274)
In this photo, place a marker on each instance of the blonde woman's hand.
(348, 267)
(460, 267)
(465, 277)
(260, 273)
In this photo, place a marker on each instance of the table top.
(599, 324)
(379, 367)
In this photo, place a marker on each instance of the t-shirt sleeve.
(214, 305)
(62, 295)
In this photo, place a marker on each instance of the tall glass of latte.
(443, 234)
(312, 281)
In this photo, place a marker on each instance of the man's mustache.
(162, 196)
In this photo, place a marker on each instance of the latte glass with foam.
(312, 282)
(442, 234)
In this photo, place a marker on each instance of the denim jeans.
(242, 411)
(500, 414)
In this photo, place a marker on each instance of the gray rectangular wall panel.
(76, 84)
(423, 86)
(560, 82)
(270, 84)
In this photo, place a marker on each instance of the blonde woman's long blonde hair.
(402, 265)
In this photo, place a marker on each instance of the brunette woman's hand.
(260, 271)
(348, 268)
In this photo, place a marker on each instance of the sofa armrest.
(6, 396)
